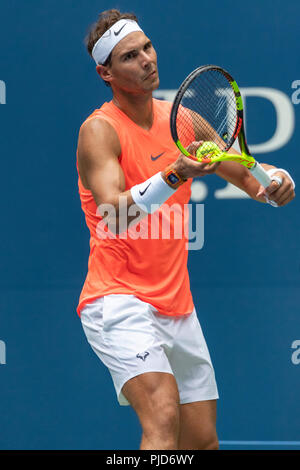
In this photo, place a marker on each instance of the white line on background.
(260, 443)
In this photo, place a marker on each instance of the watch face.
(173, 178)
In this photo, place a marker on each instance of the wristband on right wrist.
(152, 193)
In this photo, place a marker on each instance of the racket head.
(208, 106)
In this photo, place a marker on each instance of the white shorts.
(131, 338)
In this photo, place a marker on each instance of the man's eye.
(130, 55)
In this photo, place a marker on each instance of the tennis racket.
(208, 107)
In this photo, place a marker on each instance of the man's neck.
(139, 108)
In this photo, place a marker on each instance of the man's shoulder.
(100, 117)
(98, 127)
(167, 105)
(98, 112)
(162, 110)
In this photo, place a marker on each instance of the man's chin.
(154, 85)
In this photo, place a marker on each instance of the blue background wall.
(54, 392)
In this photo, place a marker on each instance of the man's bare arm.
(237, 174)
(98, 162)
(99, 167)
(101, 172)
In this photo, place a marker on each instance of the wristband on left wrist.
(272, 171)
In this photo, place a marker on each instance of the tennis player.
(136, 306)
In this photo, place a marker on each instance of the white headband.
(111, 37)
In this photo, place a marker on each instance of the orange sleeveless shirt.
(153, 268)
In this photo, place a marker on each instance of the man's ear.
(104, 72)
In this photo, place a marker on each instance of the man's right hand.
(187, 167)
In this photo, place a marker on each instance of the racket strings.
(207, 110)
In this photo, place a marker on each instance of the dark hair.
(105, 21)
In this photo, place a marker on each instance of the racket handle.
(261, 175)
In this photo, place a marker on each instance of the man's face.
(133, 65)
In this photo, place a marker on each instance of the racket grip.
(261, 175)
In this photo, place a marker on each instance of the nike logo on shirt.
(155, 158)
(143, 192)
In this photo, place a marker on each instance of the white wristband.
(152, 193)
(271, 172)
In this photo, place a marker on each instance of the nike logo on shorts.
(155, 158)
(118, 32)
(143, 192)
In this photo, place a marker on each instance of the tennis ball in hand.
(205, 148)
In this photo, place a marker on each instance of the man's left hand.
(281, 194)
